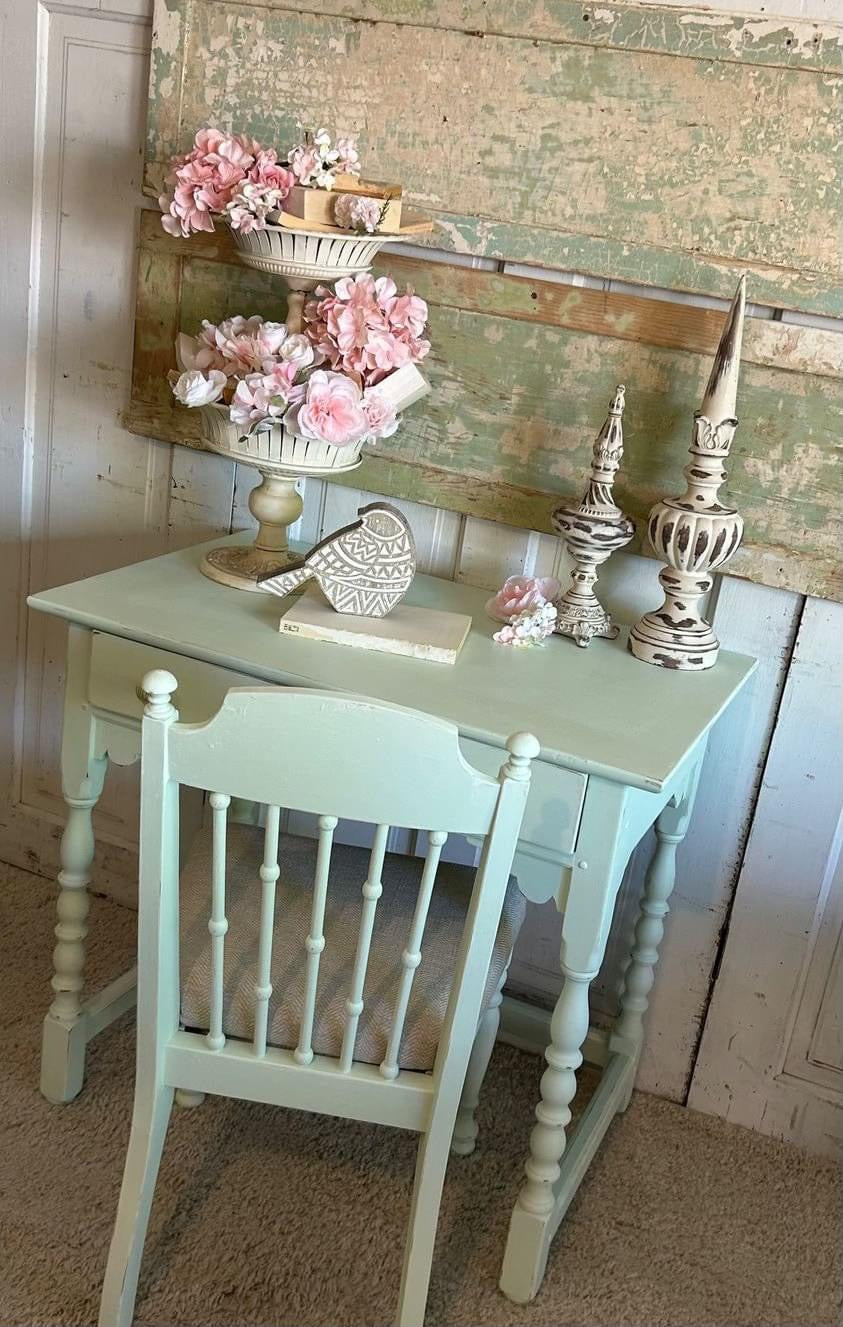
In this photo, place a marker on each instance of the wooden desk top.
(597, 710)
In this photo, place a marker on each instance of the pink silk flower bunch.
(266, 375)
(224, 175)
(365, 328)
(256, 368)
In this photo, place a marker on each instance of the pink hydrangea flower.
(355, 212)
(522, 594)
(366, 328)
(331, 412)
(227, 175)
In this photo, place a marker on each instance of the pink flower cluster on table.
(522, 594)
(531, 627)
(225, 175)
(364, 327)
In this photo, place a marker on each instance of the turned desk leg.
(65, 1033)
(628, 1033)
(556, 1166)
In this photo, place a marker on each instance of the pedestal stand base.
(583, 622)
(241, 568)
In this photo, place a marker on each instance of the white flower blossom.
(194, 388)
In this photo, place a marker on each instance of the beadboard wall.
(79, 495)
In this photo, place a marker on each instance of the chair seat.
(294, 893)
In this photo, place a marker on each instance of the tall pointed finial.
(721, 394)
(696, 533)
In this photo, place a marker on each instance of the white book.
(420, 633)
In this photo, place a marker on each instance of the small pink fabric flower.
(332, 411)
(522, 594)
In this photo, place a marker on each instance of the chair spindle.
(218, 922)
(269, 873)
(315, 942)
(411, 956)
(372, 890)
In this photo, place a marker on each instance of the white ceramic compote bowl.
(304, 259)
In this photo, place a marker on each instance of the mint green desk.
(622, 747)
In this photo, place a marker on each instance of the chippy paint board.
(421, 633)
(521, 371)
(666, 147)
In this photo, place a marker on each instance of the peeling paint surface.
(585, 149)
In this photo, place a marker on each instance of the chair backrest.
(339, 757)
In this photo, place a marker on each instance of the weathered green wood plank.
(521, 385)
(640, 143)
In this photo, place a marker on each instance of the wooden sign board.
(522, 374)
(656, 145)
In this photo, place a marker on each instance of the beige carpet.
(271, 1217)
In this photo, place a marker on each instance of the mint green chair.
(346, 1008)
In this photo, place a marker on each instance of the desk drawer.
(554, 807)
(118, 665)
(556, 797)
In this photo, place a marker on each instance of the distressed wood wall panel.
(639, 144)
(522, 373)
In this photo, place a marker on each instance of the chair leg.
(431, 1165)
(149, 1128)
(465, 1129)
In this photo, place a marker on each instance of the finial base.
(676, 635)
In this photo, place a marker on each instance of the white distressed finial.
(158, 687)
(721, 394)
(696, 533)
(593, 530)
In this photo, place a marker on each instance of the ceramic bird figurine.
(365, 568)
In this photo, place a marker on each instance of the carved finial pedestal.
(592, 531)
(696, 533)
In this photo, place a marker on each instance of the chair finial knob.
(158, 687)
(522, 748)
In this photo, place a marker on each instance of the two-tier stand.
(304, 259)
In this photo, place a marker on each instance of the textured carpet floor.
(272, 1217)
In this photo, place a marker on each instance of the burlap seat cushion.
(294, 893)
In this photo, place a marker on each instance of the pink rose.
(331, 412)
(380, 414)
(521, 594)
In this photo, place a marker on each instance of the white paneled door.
(772, 1051)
